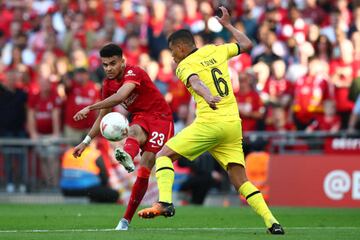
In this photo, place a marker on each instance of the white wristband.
(87, 140)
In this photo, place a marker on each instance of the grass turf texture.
(97, 221)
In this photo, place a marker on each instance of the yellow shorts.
(223, 140)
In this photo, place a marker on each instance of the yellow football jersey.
(210, 63)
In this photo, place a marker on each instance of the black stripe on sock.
(252, 194)
(163, 168)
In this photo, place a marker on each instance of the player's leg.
(253, 196)
(138, 190)
(136, 138)
(200, 139)
(165, 173)
(230, 156)
(165, 178)
(158, 131)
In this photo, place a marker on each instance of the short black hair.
(80, 70)
(110, 50)
(183, 35)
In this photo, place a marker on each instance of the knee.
(133, 132)
(147, 161)
(167, 152)
(138, 133)
(160, 154)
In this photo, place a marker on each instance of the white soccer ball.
(114, 126)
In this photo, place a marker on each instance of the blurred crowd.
(302, 74)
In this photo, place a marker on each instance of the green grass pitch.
(28, 221)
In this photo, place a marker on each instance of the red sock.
(138, 191)
(132, 147)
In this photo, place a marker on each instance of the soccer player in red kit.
(151, 125)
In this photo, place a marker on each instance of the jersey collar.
(194, 50)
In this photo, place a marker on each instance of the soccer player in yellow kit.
(217, 127)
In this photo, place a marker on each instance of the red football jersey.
(278, 87)
(80, 96)
(145, 99)
(341, 93)
(249, 102)
(43, 107)
(309, 94)
(325, 123)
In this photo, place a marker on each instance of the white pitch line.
(171, 229)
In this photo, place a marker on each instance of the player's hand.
(225, 19)
(79, 149)
(212, 101)
(82, 114)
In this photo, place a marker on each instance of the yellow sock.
(165, 178)
(256, 201)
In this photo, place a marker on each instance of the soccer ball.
(114, 126)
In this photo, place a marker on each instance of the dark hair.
(183, 35)
(80, 70)
(110, 50)
(328, 48)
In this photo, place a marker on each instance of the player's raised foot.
(158, 209)
(277, 229)
(123, 225)
(124, 159)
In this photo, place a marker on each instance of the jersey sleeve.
(133, 75)
(184, 72)
(232, 49)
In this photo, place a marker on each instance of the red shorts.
(159, 130)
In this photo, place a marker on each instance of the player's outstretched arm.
(109, 102)
(243, 41)
(201, 89)
(94, 131)
(116, 98)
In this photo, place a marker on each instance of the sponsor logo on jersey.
(127, 102)
(130, 73)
